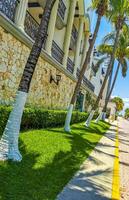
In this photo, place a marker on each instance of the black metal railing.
(74, 33)
(57, 53)
(88, 84)
(8, 8)
(78, 73)
(70, 65)
(31, 25)
(61, 9)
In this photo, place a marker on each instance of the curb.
(116, 174)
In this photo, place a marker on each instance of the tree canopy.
(127, 113)
(119, 103)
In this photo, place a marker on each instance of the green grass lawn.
(50, 159)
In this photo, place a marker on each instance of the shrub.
(40, 118)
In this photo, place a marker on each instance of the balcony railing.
(86, 81)
(88, 84)
(70, 65)
(61, 9)
(31, 25)
(74, 33)
(78, 73)
(8, 8)
(57, 53)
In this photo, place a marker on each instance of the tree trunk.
(112, 87)
(84, 67)
(111, 64)
(99, 117)
(80, 78)
(9, 141)
(87, 123)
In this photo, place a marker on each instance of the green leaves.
(37, 118)
(127, 113)
(122, 51)
(119, 103)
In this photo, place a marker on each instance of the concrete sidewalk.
(94, 179)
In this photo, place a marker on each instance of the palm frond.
(98, 64)
(109, 37)
(105, 49)
(124, 66)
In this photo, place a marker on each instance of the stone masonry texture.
(13, 56)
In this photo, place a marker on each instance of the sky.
(121, 88)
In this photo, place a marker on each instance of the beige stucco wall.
(13, 56)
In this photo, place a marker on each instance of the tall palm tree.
(122, 56)
(118, 15)
(101, 7)
(9, 141)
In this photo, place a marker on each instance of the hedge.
(40, 118)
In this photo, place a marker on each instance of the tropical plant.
(119, 103)
(127, 113)
(118, 14)
(122, 56)
(101, 7)
(9, 141)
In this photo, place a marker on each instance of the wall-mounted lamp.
(58, 78)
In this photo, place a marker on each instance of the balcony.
(31, 26)
(74, 33)
(8, 8)
(57, 53)
(70, 65)
(61, 9)
(78, 73)
(73, 41)
(87, 83)
(60, 15)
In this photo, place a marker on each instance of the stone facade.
(42, 93)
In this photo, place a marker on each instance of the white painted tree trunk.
(68, 118)
(104, 116)
(90, 117)
(99, 117)
(9, 141)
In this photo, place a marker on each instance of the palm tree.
(101, 7)
(118, 15)
(9, 141)
(122, 56)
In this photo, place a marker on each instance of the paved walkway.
(94, 180)
(124, 157)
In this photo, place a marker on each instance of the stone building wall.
(13, 56)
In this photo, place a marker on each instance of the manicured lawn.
(50, 159)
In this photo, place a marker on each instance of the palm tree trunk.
(9, 141)
(99, 117)
(111, 64)
(90, 117)
(112, 87)
(80, 78)
(110, 92)
(110, 67)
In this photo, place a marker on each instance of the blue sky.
(122, 85)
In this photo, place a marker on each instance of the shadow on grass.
(26, 182)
